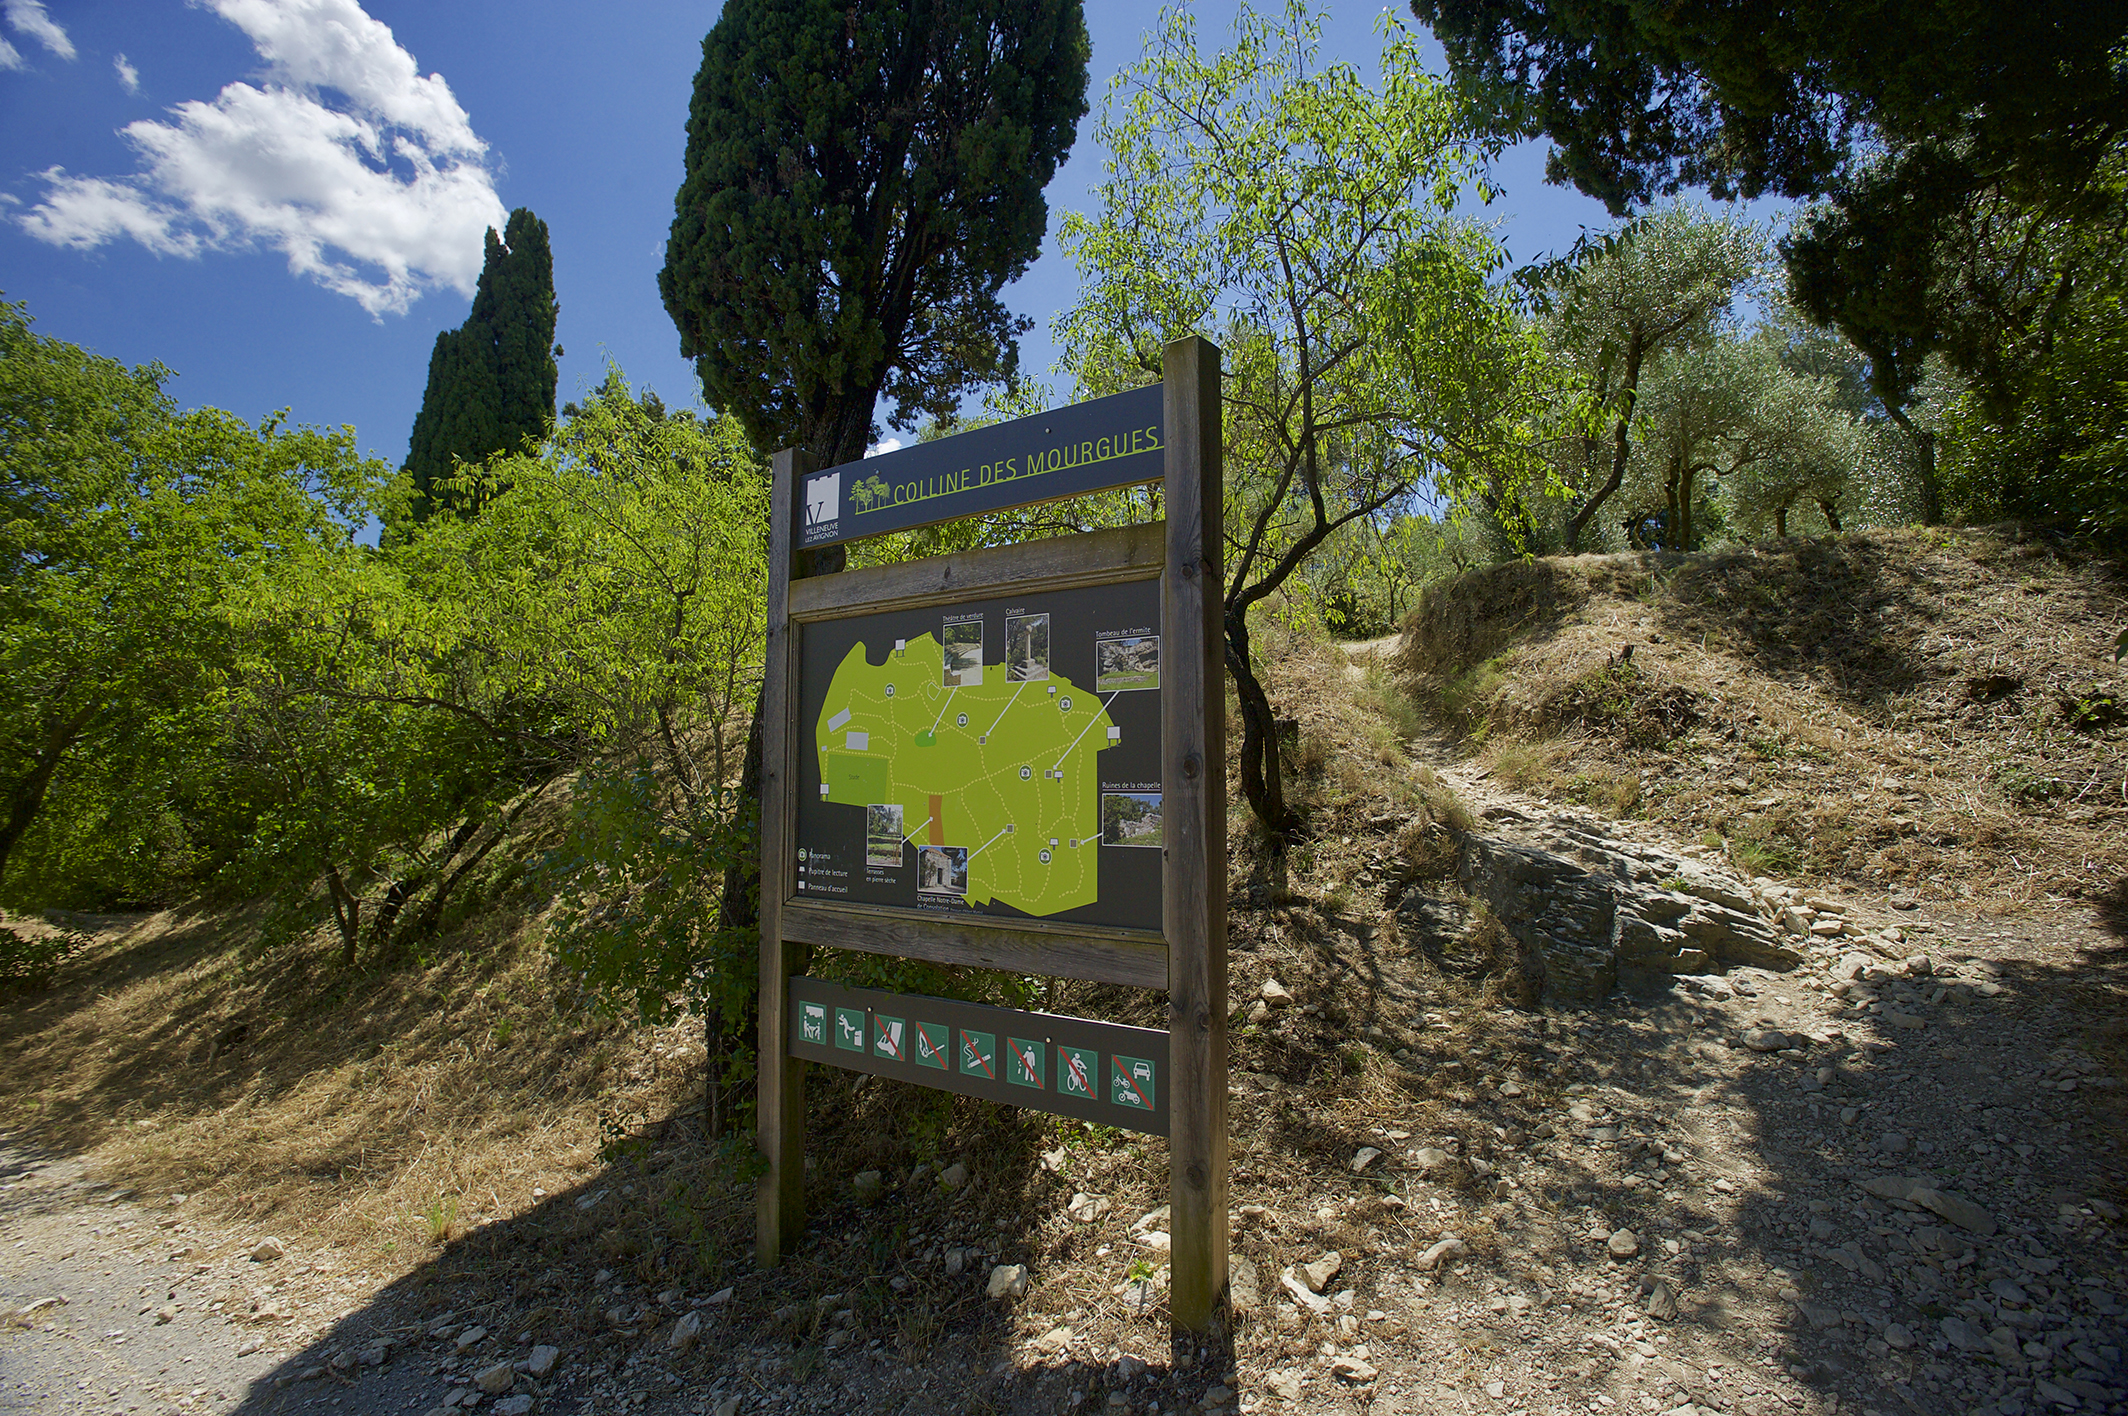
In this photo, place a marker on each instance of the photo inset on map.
(963, 646)
(942, 870)
(1127, 661)
(1130, 819)
(882, 835)
(1026, 648)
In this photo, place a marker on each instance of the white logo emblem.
(823, 499)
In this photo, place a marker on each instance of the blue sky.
(198, 184)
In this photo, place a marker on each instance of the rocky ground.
(1877, 1170)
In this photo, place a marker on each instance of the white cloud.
(10, 57)
(128, 76)
(28, 17)
(378, 197)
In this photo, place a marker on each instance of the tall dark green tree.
(863, 178)
(491, 380)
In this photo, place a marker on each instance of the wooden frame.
(779, 1120)
(1193, 757)
(1187, 956)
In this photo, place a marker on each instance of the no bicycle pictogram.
(1076, 1068)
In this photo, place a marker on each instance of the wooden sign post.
(1013, 759)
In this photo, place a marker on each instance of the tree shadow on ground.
(880, 1308)
(1845, 608)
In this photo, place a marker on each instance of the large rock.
(1552, 907)
(1606, 914)
(1734, 937)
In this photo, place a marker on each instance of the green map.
(992, 784)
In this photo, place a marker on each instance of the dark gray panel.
(993, 1053)
(1099, 651)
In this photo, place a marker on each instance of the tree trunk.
(1925, 446)
(1621, 445)
(738, 916)
(26, 796)
(347, 913)
(1832, 514)
(837, 439)
(1674, 517)
(432, 912)
(403, 890)
(1780, 520)
(1687, 532)
(1262, 775)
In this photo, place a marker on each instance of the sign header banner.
(1088, 447)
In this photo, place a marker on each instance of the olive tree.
(1302, 219)
(1657, 285)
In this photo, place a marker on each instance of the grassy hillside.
(1928, 711)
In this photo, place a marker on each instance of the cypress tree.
(491, 380)
(863, 177)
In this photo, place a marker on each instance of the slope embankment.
(1923, 711)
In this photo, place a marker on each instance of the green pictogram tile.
(850, 1029)
(1079, 1072)
(1131, 1082)
(890, 1038)
(813, 1023)
(931, 1043)
(1024, 1062)
(979, 1053)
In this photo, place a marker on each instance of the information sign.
(1010, 758)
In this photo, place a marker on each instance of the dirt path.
(112, 1301)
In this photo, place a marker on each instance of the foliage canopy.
(1302, 220)
(861, 182)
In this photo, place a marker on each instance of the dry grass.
(378, 1116)
(1349, 769)
(1927, 709)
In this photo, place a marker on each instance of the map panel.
(959, 757)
